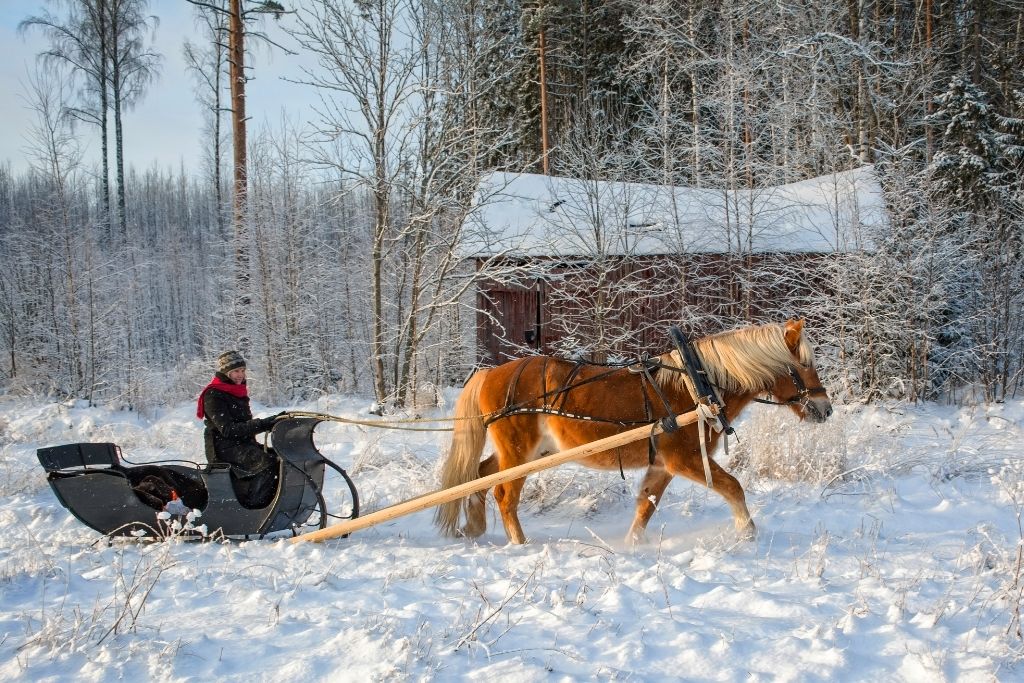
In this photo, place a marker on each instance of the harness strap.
(513, 386)
(544, 380)
(562, 394)
(646, 373)
(670, 417)
(516, 408)
(521, 410)
(652, 444)
(706, 416)
(802, 391)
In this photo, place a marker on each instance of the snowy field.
(888, 549)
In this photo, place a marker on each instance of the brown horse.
(535, 406)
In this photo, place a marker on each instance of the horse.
(537, 405)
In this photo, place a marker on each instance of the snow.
(891, 555)
(522, 214)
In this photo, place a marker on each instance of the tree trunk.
(236, 61)
(115, 81)
(382, 220)
(406, 377)
(379, 388)
(976, 40)
(929, 141)
(544, 107)
(218, 187)
(101, 9)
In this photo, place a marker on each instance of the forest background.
(328, 252)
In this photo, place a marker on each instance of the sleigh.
(100, 490)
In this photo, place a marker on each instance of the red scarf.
(236, 390)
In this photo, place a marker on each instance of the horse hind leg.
(476, 510)
(652, 488)
(507, 496)
(515, 442)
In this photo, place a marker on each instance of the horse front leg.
(722, 483)
(652, 488)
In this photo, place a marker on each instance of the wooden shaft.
(428, 500)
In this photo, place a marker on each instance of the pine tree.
(974, 176)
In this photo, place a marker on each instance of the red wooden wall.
(703, 293)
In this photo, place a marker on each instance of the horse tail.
(463, 461)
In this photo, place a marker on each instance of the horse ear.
(793, 330)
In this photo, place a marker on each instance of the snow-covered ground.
(888, 549)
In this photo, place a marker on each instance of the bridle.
(802, 396)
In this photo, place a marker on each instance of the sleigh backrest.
(78, 456)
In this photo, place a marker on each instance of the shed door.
(513, 333)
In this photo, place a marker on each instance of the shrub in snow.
(774, 444)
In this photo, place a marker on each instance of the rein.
(508, 410)
(709, 405)
(383, 424)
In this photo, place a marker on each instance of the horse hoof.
(636, 538)
(516, 539)
(473, 531)
(747, 532)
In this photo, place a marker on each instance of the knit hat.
(228, 361)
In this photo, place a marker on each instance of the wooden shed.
(600, 269)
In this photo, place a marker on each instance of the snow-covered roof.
(522, 214)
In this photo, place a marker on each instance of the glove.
(267, 423)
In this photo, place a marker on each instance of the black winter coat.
(231, 433)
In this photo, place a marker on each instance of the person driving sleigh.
(231, 430)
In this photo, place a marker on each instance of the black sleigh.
(92, 481)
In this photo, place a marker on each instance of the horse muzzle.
(818, 409)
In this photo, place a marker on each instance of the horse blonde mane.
(742, 361)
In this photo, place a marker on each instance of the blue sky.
(165, 128)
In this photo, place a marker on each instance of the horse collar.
(702, 390)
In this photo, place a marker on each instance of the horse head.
(801, 387)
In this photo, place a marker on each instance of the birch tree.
(206, 63)
(132, 67)
(398, 120)
(79, 42)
